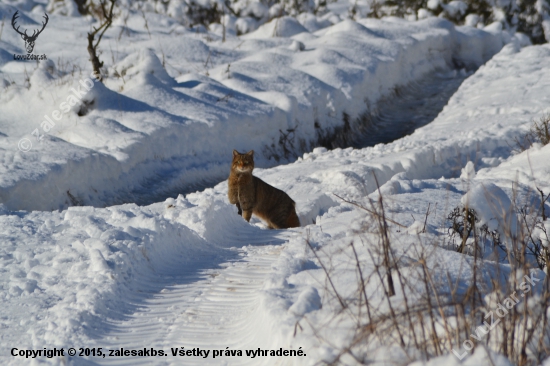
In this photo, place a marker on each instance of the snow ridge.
(160, 134)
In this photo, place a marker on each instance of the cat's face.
(243, 162)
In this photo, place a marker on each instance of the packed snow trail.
(196, 307)
(409, 108)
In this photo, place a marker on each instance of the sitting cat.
(254, 196)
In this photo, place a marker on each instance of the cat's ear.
(235, 153)
(250, 153)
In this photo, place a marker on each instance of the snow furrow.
(409, 107)
(209, 310)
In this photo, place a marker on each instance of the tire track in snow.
(406, 109)
(208, 309)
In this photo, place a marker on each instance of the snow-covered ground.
(152, 130)
(188, 271)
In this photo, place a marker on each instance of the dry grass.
(539, 132)
(541, 129)
(422, 310)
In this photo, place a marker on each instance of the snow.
(281, 27)
(82, 267)
(147, 123)
(455, 8)
(494, 208)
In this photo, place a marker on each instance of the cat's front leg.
(247, 214)
(240, 211)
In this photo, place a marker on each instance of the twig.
(344, 306)
(542, 201)
(2, 27)
(426, 218)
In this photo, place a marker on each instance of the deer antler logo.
(29, 40)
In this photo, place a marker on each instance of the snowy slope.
(479, 125)
(155, 276)
(152, 132)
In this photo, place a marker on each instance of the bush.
(524, 16)
(464, 226)
(540, 130)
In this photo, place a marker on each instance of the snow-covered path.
(409, 107)
(211, 308)
(196, 307)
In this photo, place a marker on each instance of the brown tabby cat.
(254, 196)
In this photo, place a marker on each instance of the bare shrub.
(539, 132)
(541, 129)
(526, 16)
(464, 225)
(205, 15)
(537, 233)
(288, 147)
(106, 19)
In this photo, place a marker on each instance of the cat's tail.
(293, 220)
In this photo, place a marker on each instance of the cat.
(254, 196)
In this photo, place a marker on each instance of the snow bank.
(67, 272)
(495, 209)
(149, 134)
(436, 165)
